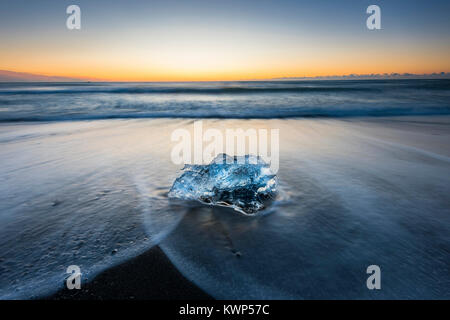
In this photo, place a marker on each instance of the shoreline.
(150, 275)
(379, 179)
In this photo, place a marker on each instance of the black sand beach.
(148, 276)
(354, 192)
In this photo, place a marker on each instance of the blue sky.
(219, 39)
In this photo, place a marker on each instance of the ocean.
(364, 178)
(241, 100)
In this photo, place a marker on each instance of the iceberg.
(243, 183)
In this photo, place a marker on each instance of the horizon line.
(16, 76)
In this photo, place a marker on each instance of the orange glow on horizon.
(215, 41)
(190, 63)
(216, 76)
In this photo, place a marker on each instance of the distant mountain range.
(11, 76)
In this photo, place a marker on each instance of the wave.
(240, 87)
(215, 91)
(234, 100)
(258, 114)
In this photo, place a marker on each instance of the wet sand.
(148, 276)
(356, 192)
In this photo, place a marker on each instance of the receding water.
(354, 192)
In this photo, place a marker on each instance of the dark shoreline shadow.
(150, 276)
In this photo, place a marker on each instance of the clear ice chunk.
(244, 183)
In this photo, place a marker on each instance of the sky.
(190, 40)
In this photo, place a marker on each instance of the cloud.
(11, 76)
(440, 75)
